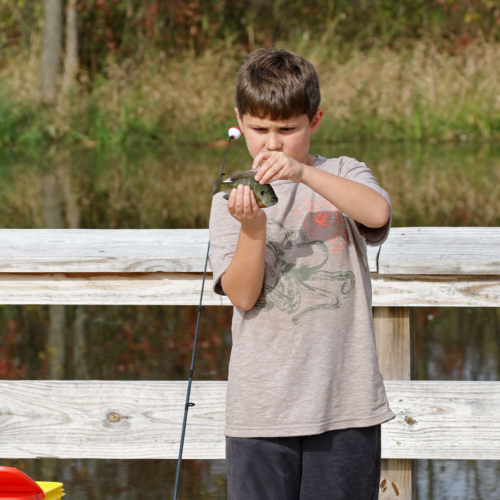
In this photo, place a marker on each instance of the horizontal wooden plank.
(100, 419)
(109, 289)
(408, 250)
(103, 250)
(185, 288)
(142, 250)
(441, 251)
(440, 291)
(443, 420)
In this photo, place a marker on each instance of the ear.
(238, 117)
(316, 121)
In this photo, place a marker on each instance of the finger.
(280, 174)
(271, 171)
(239, 200)
(267, 162)
(247, 202)
(263, 155)
(255, 205)
(230, 202)
(264, 168)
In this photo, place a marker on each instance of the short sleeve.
(223, 231)
(357, 171)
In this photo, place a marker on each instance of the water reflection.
(129, 479)
(429, 185)
(113, 342)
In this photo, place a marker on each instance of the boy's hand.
(277, 165)
(242, 205)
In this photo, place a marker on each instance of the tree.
(71, 56)
(51, 49)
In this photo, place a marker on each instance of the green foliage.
(131, 29)
(18, 20)
(18, 123)
(152, 72)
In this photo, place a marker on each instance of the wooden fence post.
(395, 335)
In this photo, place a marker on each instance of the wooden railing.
(415, 267)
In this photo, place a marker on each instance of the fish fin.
(226, 196)
(216, 187)
(241, 174)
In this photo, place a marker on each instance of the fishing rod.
(234, 133)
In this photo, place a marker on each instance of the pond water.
(430, 185)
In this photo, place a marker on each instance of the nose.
(273, 142)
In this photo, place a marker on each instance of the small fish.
(264, 193)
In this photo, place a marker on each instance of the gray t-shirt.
(304, 359)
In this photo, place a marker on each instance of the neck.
(309, 160)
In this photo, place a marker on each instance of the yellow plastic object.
(53, 491)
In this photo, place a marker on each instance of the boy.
(305, 396)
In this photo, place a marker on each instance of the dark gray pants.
(335, 465)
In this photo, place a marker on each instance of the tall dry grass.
(382, 95)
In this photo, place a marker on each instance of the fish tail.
(216, 187)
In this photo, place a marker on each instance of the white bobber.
(234, 132)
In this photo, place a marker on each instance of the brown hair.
(277, 85)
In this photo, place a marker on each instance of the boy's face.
(291, 136)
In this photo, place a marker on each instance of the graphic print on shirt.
(287, 284)
(324, 221)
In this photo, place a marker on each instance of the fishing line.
(234, 133)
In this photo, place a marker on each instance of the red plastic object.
(16, 485)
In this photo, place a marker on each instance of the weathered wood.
(449, 420)
(408, 250)
(100, 419)
(184, 289)
(395, 480)
(394, 335)
(108, 289)
(441, 291)
(103, 250)
(441, 251)
(109, 250)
